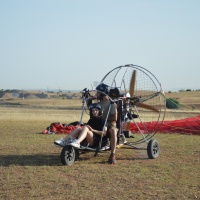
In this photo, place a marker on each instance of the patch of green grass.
(30, 166)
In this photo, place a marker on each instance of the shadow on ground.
(54, 159)
(30, 160)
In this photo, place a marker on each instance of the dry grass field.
(190, 99)
(30, 166)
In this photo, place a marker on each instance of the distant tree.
(188, 90)
(182, 90)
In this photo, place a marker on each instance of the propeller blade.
(132, 84)
(142, 105)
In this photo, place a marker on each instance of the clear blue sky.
(68, 44)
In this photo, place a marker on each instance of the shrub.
(172, 103)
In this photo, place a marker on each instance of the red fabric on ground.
(186, 126)
(183, 126)
(57, 128)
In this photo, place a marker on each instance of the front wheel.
(153, 149)
(68, 155)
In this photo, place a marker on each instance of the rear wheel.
(68, 155)
(153, 149)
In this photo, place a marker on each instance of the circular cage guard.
(146, 99)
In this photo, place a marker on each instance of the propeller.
(139, 103)
(132, 92)
(132, 84)
(142, 105)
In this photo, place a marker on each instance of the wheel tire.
(153, 149)
(67, 155)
